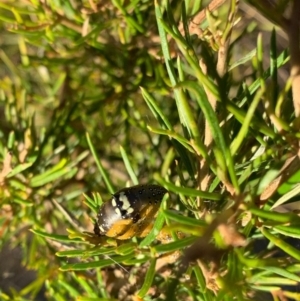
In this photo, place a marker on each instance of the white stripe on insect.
(113, 202)
(123, 198)
(118, 212)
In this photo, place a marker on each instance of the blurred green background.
(99, 95)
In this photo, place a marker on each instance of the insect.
(130, 212)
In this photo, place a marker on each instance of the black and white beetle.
(130, 212)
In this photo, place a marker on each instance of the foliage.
(96, 96)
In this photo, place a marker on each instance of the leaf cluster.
(199, 101)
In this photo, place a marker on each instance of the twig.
(200, 17)
(6, 167)
(293, 34)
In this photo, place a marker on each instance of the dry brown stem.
(293, 32)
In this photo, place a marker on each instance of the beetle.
(130, 212)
